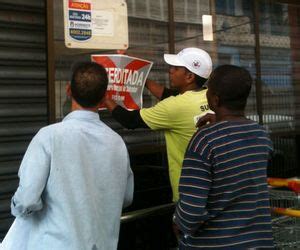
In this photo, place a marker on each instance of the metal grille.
(286, 229)
(23, 95)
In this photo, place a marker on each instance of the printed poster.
(127, 76)
(80, 20)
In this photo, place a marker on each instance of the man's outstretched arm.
(128, 119)
(158, 90)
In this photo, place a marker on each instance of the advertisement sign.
(80, 20)
(94, 24)
(127, 76)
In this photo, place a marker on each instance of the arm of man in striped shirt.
(194, 186)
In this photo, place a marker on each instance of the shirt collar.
(82, 115)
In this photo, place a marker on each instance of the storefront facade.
(261, 35)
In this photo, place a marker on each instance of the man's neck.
(224, 114)
(189, 87)
(76, 106)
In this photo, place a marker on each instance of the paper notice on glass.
(207, 28)
(127, 76)
(103, 23)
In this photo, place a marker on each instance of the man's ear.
(190, 77)
(68, 90)
(216, 101)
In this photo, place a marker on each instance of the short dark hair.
(88, 84)
(232, 84)
(200, 81)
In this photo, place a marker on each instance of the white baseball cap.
(195, 60)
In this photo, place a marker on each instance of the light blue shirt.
(74, 180)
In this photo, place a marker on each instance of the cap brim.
(172, 60)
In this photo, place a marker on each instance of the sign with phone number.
(80, 21)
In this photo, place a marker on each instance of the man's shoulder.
(44, 134)
(110, 133)
(160, 106)
(96, 129)
(46, 130)
(210, 130)
(191, 97)
(188, 95)
(207, 131)
(200, 91)
(107, 130)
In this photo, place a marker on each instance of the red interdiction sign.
(127, 76)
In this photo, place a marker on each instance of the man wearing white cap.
(175, 115)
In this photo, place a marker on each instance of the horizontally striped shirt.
(224, 200)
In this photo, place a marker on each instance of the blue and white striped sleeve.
(194, 186)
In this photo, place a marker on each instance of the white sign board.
(96, 24)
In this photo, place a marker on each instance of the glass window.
(276, 68)
(234, 43)
(148, 39)
(274, 18)
(233, 35)
(225, 7)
